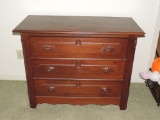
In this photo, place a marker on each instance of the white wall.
(13, 11)
(155, 37)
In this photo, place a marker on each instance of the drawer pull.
(104, 90)
(107, 70)
(50, 69)
(78, 42)
(78, 84)
(107, 49)
(48, 48)
(51, 89)
(77, 65)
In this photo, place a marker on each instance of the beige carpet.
(14, 106)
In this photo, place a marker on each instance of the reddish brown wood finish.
(78, 60)
(77, 88)
(78, 69)
(29, 71)
(53, 47)
(79, 25)
(78, 100)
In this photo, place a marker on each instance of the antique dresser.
(78, 59)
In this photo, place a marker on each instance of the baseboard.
(137, 80)
(12, 77)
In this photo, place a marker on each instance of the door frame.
(155, 37)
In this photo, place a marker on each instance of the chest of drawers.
(78, 60)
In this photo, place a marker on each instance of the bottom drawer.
(77, 88)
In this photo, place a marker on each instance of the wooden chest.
(78, 60)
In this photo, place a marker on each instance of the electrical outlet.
(19, 54)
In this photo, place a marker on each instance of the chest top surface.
(79, 24)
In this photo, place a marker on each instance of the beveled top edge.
(79, 25)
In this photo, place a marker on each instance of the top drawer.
(74, 47)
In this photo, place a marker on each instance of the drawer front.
(61, 47)
(78, 69)
(77, 88)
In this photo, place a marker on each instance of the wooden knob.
(78, 42)
(78, 65)
(78, 84)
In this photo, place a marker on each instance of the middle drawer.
(94, 69)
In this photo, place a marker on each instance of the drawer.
(77, 88)
(105, 69)
(72, 47)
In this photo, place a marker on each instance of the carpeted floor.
(14, 106)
